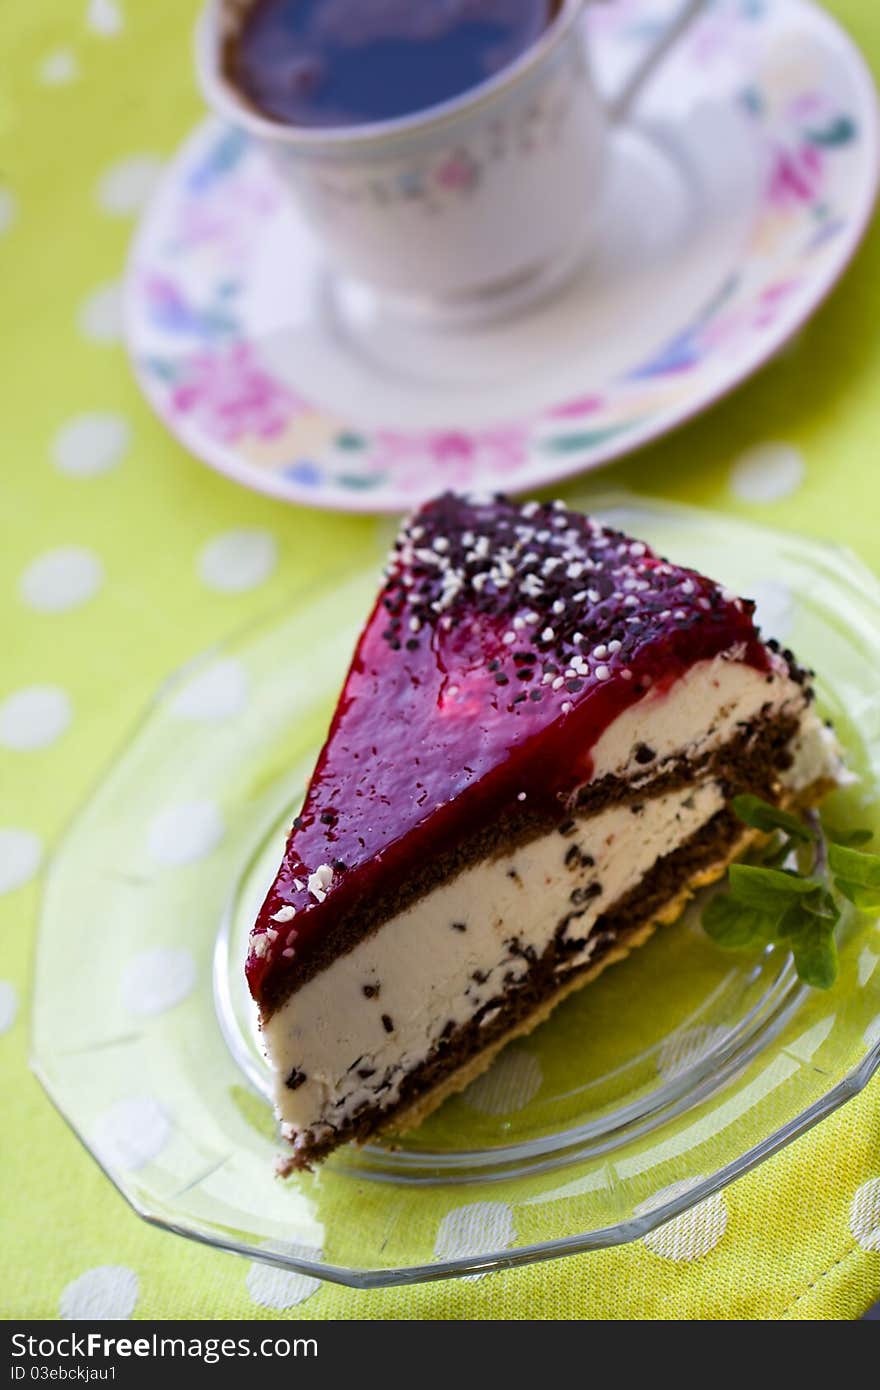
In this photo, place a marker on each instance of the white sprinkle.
(602, 673)
(566, 706)
(298, 884)
(519, 624)
(284, 914)
(665, 615)
(509, 638)
(574, 571)
(520, 796)
(637, 548)
(529, 509)
(578, 638)
(558, 683)
(452, 691)
(288, 952)
(704, 604)
(600, 651)
(440, 544)
(542, 536)
(320, 881)
(548, 634)
(559, 606)
(547, 678)
(614, 646)
(414, 624)
(593, 595)
(630, 601)
(271, 934)
(627, 673)
(687, 587)
(259, 945)
(679, 615)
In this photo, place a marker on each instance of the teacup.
(464, 209)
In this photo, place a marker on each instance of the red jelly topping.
(505, 640)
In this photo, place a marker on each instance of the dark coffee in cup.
(325, 63)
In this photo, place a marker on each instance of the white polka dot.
(125, 187)
(157, 980)
(185, 832)
(681, 1051)
(8, 209)
(100, 315)
(477, 1229)
(104, 17)
(692, 1234)
(20, 855)
(864, 1215)
(238, 560)
(867, 965)
(775, 611)
(58, 67)
(8, 1006)
(276, 1288)
(108, 1291)
(767, 473)
(131, 1133)
(91, 443)
(218, 692)
(34, 717)
(61, 579)
(513, 1079)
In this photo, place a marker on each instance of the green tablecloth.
(105, 589)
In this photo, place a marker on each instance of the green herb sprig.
(791, 894)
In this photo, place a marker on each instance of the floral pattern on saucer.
(203, 365)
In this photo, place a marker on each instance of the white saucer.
(733, 203)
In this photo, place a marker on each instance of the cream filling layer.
(381, 1008)
(701, 711)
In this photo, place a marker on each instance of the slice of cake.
(530, 766)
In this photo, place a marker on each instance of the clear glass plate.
(674, 1073)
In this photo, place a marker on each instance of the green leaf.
(852, 838)
(792, 921)
(821, 905)
(840, 131)
(815, 955)
(778, 852)
(759, 814)
(865, 899)
(735, 927)
(768, 890)
(586, 439)
(855, 866)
